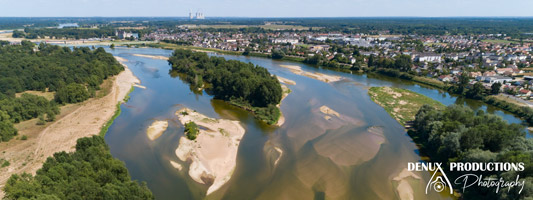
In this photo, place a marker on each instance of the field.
(401, 104)
(497, 41)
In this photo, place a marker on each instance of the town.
(484, 58)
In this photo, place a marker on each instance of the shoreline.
(314, 75)
(151, 56)
(87, 119)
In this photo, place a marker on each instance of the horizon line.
(267, 17)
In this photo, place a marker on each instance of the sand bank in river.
(213, 154)
(152, 56)
(314, 75)
(84, 119)
(121, 59)
(176, 165)
(404, 189)
(156, 129)
(286, 81)
(285, 92)
(329, 112)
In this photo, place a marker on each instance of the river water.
(355, 156)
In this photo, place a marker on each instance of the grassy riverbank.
(401, 104)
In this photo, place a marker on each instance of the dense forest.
(460, 134)
(90, 172)
(242, 84)
(73, 74)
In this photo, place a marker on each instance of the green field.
(497, 41)
(401, 104)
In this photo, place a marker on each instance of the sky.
(266, 8)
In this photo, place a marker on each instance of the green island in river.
(401, 104)
(244, 85)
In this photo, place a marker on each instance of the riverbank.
(318, 76)
(152, 56)
(74, 122)
(401, 104)
(213, 154)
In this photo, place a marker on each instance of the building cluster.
(486, 58)
(126, 35)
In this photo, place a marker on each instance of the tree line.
(459, 134)
(90, 172)
(243, 84)
(67, 33)
(73, 74)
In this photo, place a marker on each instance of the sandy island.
(329, 112)
(80, 120)
(286, 81)
(213, 155)
(404, 189)
(152, 56)
(314, 75)
(156, 129)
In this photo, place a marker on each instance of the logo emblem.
(439, 181)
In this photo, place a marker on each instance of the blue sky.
(266, 8)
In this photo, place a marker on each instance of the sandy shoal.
(152, 56)
(213, 155)
(329, 112)
(157, 128)
(404, 189)
(314, 75)
(61, 135)
(286, 92)
(286, 81)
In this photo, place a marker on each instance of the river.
(338, 159)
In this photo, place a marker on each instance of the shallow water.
(352, 157)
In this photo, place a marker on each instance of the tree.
(495, 88)
(191, 130)
(458, 134)
(7, 131)
(476, 92)
(277, 54)
(72, 93)
(88, 173)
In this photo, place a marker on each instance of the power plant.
(199, 15)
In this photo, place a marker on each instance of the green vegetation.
(191, 130)
(460, 134)
(401, 104)
(4, 163)
(88, 173)
(69, 33)
(7, 130)
(108, 124)
(50, 67)
(72, 93)
(242, 84)
(73, 74)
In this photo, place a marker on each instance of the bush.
(191, 130)
(5, 163)
(72, 93)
